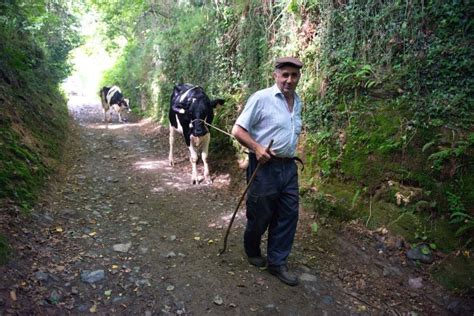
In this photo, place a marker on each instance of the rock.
(180, 305)
(54, 297)
(143, 250)
(122, 247)
(143, 282)
(180, 309)
(119, 299)
(390, 271)
(41, 276)
(92, 276)
(48, 218)
(218, 300)
(459, 306)
(415, 283)
(328, 300)
(68, 212)
(272, 308)
(308, 277)
(82, 308)
(170, 254)
(421, 253)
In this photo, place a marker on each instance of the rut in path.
(121, 209)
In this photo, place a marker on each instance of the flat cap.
(288, 61)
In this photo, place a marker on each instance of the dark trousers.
(272, 203)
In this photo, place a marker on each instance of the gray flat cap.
(288, 61)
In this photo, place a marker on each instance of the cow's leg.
(193, 158)
(170, 156)
(205, 150)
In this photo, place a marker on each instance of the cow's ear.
(217, 102)
(179, 108)
(127, 101)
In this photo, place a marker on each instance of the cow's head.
(202, 112)
(125, 105)
(199, 112)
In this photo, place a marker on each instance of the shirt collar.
(275, 90)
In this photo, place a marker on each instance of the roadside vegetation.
(387, 87)
(35, 39)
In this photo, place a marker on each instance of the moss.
(31, 137)
(340, 203)
(372, 141)
(21, 169)
(455, 273)
(347, 201)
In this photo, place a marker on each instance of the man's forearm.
(244, 138)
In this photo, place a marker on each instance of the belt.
(288, 159)
(282, 158)
(275, 158)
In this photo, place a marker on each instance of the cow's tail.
(102, 93)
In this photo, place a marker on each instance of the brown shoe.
(259, 262)
(283, 274)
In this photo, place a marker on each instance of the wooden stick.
(240, 201)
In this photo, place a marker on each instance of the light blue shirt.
(266, 116)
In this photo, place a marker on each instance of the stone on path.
(89, 276)
(308, 277)
(415, 283)
(122, 247)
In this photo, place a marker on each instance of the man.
(272, 200)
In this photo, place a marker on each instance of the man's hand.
(263, 154)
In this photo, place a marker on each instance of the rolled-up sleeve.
(248, 116)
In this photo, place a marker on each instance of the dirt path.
(124, 233)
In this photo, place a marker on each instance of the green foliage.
(51, 30)
(394, 94)
(314, 228)
(35, 39)
(459, 215)
(351, 76)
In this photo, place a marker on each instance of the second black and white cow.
(112, 99)
(190, 109)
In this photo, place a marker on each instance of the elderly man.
(274, 114)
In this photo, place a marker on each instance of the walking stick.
(240, 201)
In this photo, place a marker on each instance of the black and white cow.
(112, 99)
(190, 108)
